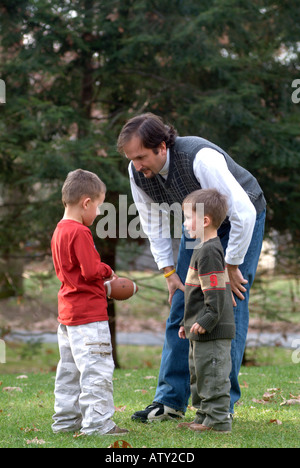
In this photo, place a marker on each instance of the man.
(165, 168)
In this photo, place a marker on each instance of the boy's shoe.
(117, 431)
(157, 412)
(202, 428)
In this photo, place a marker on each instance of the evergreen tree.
(75, 70)
(223, 70)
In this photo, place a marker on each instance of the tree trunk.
(108, 255)
(11, 277)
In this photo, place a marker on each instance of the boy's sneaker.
(202, 428)
(157, 412)
(186, 424)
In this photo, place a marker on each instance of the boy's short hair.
(81, 183)
(215, 204)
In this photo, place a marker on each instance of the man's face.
(145, 160)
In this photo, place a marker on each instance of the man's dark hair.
(150, 129)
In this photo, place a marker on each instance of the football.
(120, 289)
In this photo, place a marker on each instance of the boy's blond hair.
(215, 204)
(81, 183)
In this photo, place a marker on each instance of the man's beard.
(150, 174)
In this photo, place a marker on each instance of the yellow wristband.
(170, 273)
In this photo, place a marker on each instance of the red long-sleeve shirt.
(82, 296)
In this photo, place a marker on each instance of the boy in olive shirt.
(208, 320)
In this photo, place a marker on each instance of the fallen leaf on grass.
(294, 400)
(12, 389)
(35, 441)
(245, 385)
(120, 444)
(275, 421)
(29, 429)
(120, 409)
(78, 434)
(267, 396)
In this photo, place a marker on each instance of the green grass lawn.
(260, 421)
(26, 411)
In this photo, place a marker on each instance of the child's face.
(92, 209)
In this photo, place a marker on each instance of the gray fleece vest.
(181, 180)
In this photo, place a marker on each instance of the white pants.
(83, 387)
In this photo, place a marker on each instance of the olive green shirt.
(208, 299)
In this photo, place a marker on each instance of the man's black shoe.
(157, 412)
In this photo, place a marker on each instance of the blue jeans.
(173, 387)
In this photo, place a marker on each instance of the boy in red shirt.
(83, 387)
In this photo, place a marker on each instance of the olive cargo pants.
(210, 367)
